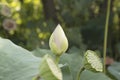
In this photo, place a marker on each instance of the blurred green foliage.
(32, 30)
(82, 20)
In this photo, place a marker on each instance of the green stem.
(106, 34)
(80, 71)
(36, 77)
(57, 58)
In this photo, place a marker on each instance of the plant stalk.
(57, 59)
(106, 34)
(81, 70)
(36, 77)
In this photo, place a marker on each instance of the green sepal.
(49, 70)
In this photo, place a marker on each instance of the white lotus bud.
(58, 41)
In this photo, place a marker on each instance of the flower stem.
(36, 77)
(106, 34)
(57, 58)
(81, 70)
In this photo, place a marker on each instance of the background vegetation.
(82, 20)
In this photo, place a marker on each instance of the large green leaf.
(114, 69)
(41, 52)
(16, 63)
(74, 61)
(66, 73)
(88, 75)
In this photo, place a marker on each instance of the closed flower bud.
(58, 41)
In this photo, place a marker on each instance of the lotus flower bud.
(58, 42)
(92, 62)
